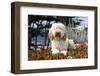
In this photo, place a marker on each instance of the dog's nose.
(58, 34)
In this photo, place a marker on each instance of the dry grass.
(45, 54)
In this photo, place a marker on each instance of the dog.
(59, 39)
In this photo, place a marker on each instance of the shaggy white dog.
(59, 39)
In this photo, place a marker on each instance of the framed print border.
(15, 36)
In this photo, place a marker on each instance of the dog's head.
(57, 32)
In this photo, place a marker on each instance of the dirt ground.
(81, 51)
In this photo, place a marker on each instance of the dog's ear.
(50, 35)
(65, 36)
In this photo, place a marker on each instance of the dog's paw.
(69, 57)
(64, 52)
(55, 51)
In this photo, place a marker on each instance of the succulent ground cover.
(81, 51)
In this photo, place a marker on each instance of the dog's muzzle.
(58, 34)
